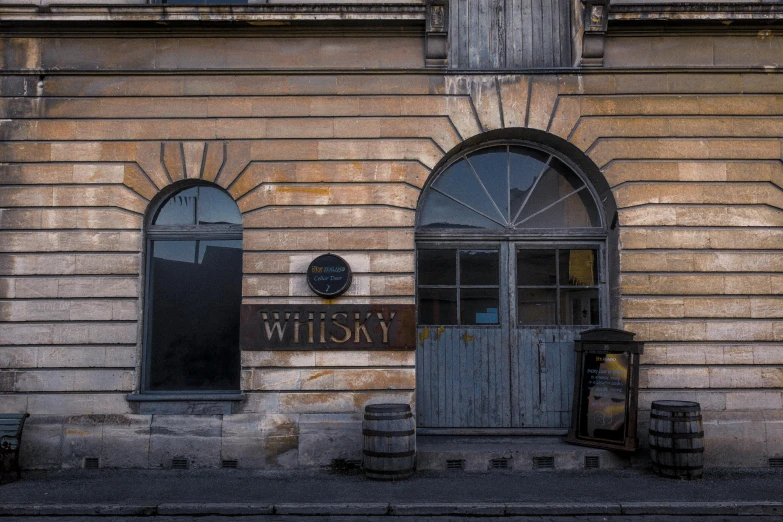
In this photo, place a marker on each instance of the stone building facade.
(325, 123)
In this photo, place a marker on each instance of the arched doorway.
(512, 262)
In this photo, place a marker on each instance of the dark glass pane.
(479, 306)
(217, 207)
(437, 267)
(537, 306)
(579, 307)
(196, 291)
(569, 213)
(557, 182)
(578, 268)
(491, 165)
(438, 211)
(478, 267)
(459, 182)
(536, 268)
(180, 209)
(525, 166)
(437, 306)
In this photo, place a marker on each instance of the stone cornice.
(696, 12)
(262, 14)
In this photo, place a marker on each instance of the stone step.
(481, 454)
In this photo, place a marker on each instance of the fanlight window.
(509, 187)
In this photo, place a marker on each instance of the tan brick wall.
(335, 162)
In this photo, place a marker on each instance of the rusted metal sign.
(328, 327)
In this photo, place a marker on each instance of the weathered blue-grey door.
(510, 249)
(509, 361)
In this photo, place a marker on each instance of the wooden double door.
(496, 326)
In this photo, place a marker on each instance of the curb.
(477, 509)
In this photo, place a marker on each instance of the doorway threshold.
(493, 432)
(498, 452)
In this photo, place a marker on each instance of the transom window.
(509, 187)
(194, 293)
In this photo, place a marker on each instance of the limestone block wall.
(334, 160)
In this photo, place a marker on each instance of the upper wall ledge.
(263, 13)
(696, 12)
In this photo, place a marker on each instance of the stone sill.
(260, 14)
(186, 403)
(695, 12)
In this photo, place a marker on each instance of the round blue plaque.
(329, 275)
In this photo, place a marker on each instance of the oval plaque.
(329, 275)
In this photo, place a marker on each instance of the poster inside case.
(606, 390)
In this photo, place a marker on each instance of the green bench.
(11, 426)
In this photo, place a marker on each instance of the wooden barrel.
(389, 441)
(677, 439)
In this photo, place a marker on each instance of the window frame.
(195, 232)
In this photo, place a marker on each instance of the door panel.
(506, 375)
(463, 379)
(543, 362)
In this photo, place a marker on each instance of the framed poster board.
(606, 390)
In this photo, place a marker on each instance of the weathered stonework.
(325, 143)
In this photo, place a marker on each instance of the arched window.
(509, 187)
(511, 264)
(194, 292)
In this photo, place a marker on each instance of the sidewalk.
(309, 493)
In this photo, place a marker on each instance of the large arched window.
(194, 292)
(509, 187)
(511, 264)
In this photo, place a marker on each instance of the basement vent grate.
(501, 463)
(347, 466)
(230, 464)
(776, 462)
(179, 463)
(456, 464)
(544, 462)
(592, 462)
(92, 463)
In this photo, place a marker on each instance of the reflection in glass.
(568, 213)
(182, 251)
(442, 212)
(437, 267)
(537, 306)
(578, 268)
(525, 166)
(437, 306)
(478, 267)
(199, 205)
(462, 185)
(180, 209)
(217, 207)
(536, 268)
(491, 166)
(479, 306)
(579, 307)
(194, 320)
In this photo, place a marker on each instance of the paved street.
(238, 495)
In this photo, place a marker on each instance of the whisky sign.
(329, 275)
(327, 327)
